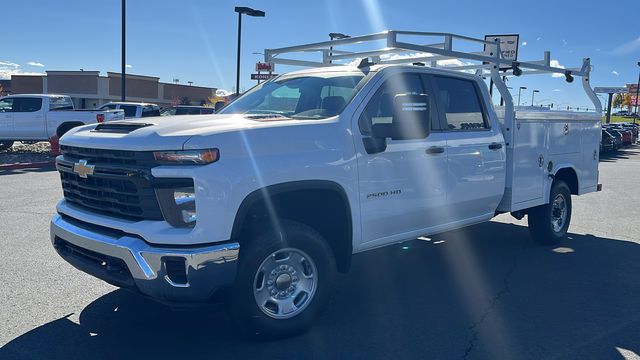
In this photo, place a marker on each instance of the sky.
(196, 40)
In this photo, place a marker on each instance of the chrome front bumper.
(171, 274)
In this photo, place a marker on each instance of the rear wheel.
(284, 280)
(548, 224)
(5, 144)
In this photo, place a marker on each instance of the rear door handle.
(495, 146)
(434, 150)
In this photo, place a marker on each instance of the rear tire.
(283, 282)
(548, 224)
(5, 145)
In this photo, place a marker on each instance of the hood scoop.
(120, 127)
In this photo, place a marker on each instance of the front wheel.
(5, 144)
(548, 224)
(284, 280)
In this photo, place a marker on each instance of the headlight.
(178, 206)
(185, 157)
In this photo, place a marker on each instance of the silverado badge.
(83, 169)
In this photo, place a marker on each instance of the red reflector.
(100, 118)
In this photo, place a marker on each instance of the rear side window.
(108, 107)
(206, 111)
(459, 100)
(27, 104)
(6, 105)
(129, 110)
(60, 103)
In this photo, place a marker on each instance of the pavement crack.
(506, 288)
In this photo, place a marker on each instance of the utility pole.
(247, 11)
(123, 75)
(635, 116)
(519, 92)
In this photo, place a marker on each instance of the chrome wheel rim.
(285, 283)
(558, 212)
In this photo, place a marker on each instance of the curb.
(35, 165)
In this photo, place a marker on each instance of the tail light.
(100, 118)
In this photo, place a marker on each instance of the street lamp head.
(638, 63)
(334, 35)
(536, 90)
(523, 87)
(249, 11)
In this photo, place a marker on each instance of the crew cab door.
(6, 118)
(476, 150)
(29, 118)
(403, 188)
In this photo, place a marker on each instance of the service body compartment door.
(528, 161)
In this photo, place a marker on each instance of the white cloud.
(564, 42)
(223, 92)
(8, 68)
(128, 66)
(556, 90)
(615, 73)
(628, 47)
(556, 63)
(9, 64)
(524, 43)
(538, 38)
(36, 64)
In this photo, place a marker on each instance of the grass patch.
(616, 119)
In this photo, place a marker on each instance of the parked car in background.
(133, 109)
(621, 113)
(607, 142)
(617, 138)
(39, 117)
(187, 110)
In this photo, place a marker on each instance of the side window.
(6, 105)
(60, 103)
(23, 104)
(459, 100)
(380, 107)
(129, 110)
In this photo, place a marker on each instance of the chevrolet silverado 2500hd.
(267, 200)
(40, 117)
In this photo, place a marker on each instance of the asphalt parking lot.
(483, 292)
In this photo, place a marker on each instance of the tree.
(618, 99)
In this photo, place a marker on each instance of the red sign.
(262, 76)
(267, 67)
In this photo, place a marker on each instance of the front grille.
(121, 184)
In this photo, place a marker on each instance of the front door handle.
(434, 150)
(495, 146)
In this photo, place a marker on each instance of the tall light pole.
(533, 95)
(637, 100)
(247, 11)
(334, 36)
(123, 88)
(520, 92)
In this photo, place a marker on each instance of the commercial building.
(89, 90)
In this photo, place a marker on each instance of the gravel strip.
(27, 153)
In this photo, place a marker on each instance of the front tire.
(5, 145)
(548, 224)
(284, 280)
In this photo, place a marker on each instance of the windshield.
(301, 97)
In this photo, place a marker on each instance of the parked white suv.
(133, 109)
(267, 200)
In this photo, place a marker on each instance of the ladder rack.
(486, 61)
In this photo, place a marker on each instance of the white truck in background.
(264, 202)
(40, 117)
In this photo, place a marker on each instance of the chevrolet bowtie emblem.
(83, 169)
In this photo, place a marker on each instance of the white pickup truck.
(266, 201)
(40, 117)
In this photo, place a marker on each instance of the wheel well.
(64, 127)
(568, 175)
(320, 205)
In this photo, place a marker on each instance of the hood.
(166, 132)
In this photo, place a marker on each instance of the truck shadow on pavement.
(614, 156)
(483, 292)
